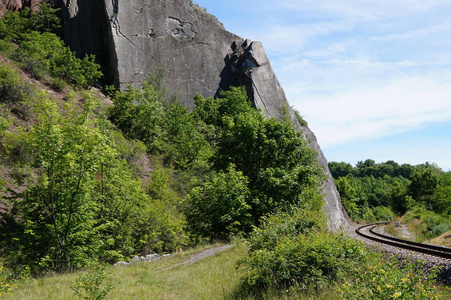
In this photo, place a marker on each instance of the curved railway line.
(438, 251)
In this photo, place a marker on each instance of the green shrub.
(139, 115)
(7, 48)
(16, 23)
(5, 121)
(300, 119)
(94, 284)
(285, 224)
(6, 286)
(46, 54)
(427, 224)
(58, 84)
(220, 207)
(368, 215)
(392, 280)
(383, 213)
(12, 87)
(290, 253)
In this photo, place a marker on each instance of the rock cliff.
(132, 38)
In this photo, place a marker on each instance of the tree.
(348, 196)
(58, 216)
(341, 169)
(423, 185)
(221, 206)
(16, 23)
(281, 169)
(46, 54)
(139, 115)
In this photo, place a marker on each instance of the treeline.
(373, 191)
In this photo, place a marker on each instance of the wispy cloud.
(400, 106)
(419, 33)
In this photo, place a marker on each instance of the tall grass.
(211, 278)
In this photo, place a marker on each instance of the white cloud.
(414, 33)
(401, 106)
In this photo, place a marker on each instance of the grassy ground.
(214, 277)
(210, 278)
(443, 240)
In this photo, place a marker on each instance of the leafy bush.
(427, 224)
(220, 207)
(94, 284)
(139, 115)
(300, 119)
(16, 23)
(46, 54)
(12, 87)
(290, 253)
(6, 287)
(83, 203)
(383, 213)
(285, 224)
(382, 280)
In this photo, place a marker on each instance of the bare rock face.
(135, 37)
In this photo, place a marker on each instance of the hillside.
(92, 176)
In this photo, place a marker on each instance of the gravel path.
(404, 233)
(201, 255)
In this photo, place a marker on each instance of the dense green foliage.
(371, 192)
(84, 202)
(242, 165)
(85, 182)
(16, 23)
(293, 251)
(94, 284)
(379, 279)
(43, 53)
(291, 254)
(91, 183)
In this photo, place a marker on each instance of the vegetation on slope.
(86, 181)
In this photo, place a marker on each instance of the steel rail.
(434, 250)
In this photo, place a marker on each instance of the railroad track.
(433, 250)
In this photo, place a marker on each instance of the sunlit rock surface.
(133, 38)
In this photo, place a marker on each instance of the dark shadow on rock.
(89, 32)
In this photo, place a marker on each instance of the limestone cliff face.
(134, 37)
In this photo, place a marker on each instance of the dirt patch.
(201, 255)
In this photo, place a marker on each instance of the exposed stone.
(121, 263)
(133, 38)
(151, 257)
(135, 259)
(141, 259)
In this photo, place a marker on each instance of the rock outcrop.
(133, 38)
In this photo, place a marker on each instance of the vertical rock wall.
(177, 35)
(132, 38)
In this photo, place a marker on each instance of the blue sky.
(372, 78)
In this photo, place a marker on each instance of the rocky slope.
(135, 37)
